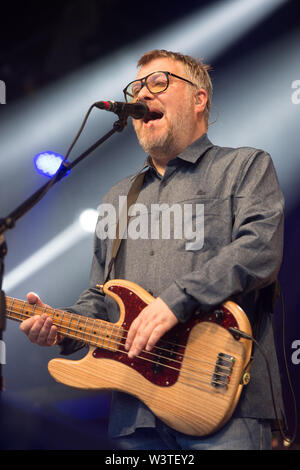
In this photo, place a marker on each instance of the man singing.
(239, 258)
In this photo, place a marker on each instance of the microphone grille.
(140, 110)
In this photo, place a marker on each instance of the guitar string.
(182, 372)
(113, 341)
(164, 342)
(208, 372)
(111, 326)
(224, 367)
(90, 334)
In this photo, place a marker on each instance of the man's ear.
(201, 98)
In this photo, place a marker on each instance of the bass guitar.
(191, 380)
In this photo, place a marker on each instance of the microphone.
(136, 110)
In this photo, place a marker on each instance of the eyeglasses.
(156, 82)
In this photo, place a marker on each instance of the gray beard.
(163, 147)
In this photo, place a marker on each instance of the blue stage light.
(47, 163)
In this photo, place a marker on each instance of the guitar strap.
(132, 196)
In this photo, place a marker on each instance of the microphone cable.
(63, 167)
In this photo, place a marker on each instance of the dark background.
(45, 46)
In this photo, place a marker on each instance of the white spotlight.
(88, 220)
(53, 249)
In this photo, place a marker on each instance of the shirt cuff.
(69, 346)
(181, 304)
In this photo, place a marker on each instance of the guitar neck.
(91, 331)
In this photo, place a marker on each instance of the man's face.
(177, 126)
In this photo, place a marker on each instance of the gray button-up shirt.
(227, 245)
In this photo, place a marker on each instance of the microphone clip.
(121, 123)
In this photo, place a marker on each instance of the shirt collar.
(196, 150)
(146, 165)
(191, 154)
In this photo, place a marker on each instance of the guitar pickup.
(222, 372)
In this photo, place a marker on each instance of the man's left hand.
(149, 326)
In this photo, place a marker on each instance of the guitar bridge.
(223, 369)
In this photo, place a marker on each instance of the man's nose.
(144, 94)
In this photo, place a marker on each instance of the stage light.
(47, 163)
(88, 220)
(84, 226)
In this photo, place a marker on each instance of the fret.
(104, 337)
(11, 305)
(8, 311)
(22, 310)
(92, 332)
(108, 337)
(89, 329)
(70, 322)
(84, 328)
(120, 337)
(108, 342)
(77, 327)
(61, 320)
(58, 321)
(55, 313)
(28, 311)
(102, 334)
(98, 332)
(44, 310)
(80, 328)
(111, 336)
(33, 308)
(95, 332)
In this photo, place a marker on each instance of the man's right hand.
(39, 328)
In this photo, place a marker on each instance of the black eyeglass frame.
(144, 82)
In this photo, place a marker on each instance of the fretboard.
(94, 332)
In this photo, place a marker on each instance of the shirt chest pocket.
(197, 224)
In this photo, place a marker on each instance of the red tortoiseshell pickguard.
(162, 365)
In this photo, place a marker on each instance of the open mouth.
(153, 116)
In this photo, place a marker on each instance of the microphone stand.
(9, 222)
(3, 251)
